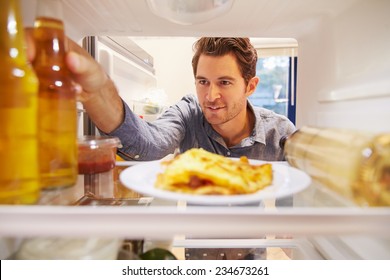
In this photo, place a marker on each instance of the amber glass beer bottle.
(57, 112)
(19, 176)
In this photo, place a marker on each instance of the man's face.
(221, 89)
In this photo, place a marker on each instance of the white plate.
(287, 181)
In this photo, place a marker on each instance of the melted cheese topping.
(200, 172)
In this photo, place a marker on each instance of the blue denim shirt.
(183, 126)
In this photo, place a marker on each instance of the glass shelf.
(105, 208)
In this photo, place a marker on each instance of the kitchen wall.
(172, 62)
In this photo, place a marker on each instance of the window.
(276, 67)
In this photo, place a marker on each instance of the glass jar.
(97, 154)
(355, 164)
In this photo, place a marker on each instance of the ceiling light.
(189, 12)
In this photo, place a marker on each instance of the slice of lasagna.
(200, 172)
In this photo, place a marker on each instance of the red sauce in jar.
(95, 167)
(91, 161)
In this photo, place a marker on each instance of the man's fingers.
(86, 71)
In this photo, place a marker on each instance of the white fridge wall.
(344, 70)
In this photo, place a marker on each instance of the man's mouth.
(214, 108)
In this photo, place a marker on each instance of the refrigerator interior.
(342, 81)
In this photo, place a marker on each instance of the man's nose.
(213, 93)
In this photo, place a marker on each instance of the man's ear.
(252, 84)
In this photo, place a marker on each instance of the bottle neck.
(49, 39)
(49, 33)
(12, 46)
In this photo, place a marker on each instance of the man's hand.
(86, 72)
(92, 85)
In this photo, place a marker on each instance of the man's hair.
(241, 48)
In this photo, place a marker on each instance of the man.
(220, 119)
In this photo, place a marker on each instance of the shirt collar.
(212, 133)
(258, 132)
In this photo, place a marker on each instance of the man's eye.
(225, 83)
(202, 82)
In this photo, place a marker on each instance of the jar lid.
(99, 141)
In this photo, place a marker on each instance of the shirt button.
(228, 153)
(136, 156)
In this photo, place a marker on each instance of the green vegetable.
(157, 254)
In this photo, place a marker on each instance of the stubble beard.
(220, 119)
